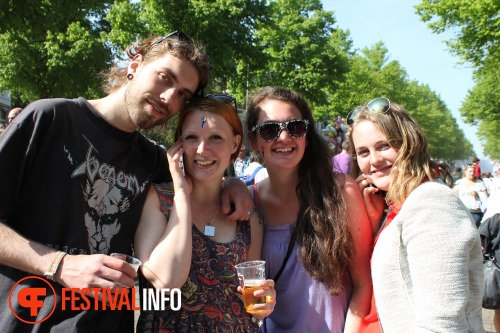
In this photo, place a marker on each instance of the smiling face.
(207, 148)
(285, 151)
(159, 90)
(470, 173)
(374, 155)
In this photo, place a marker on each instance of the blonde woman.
(473, 193)
(427, 263)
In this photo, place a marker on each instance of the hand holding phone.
(181, 164)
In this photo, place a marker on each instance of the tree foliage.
(52, 48)
(476, 25)
(56, 48)
(300, 46)
(372, 74)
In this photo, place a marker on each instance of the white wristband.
(51, 271)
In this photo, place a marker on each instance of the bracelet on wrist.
(54, 265)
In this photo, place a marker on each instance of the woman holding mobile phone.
(183, 239)
(427, 264)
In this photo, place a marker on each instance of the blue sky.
(420, 52)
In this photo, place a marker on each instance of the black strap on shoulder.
(288, 253)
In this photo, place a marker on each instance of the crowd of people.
(377, 239)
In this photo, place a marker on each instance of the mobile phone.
(181, 164)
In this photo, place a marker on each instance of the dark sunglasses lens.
(269, 132)
(297, 128)
(226, 99)
(353, 115)
(379, 105)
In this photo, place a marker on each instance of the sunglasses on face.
(378, 105)
(180, 35)
(225, 98)
(296, 128)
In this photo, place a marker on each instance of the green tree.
(52, 48)
(488, 131)
(476, 22)
(299, 44)
(476, 25)
(225, 27)
(372, 74)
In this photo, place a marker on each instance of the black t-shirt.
(75, 183)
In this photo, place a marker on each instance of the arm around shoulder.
(257, 237)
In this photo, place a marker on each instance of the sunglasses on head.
(180, 35)
(225, 98)
(378, 105)
(296, 128)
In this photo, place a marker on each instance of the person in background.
(317, 239)
(255, 171)
(97, 167)
(473, 193)
(487, 180)
(13, 114)
(182, 234)
(477, 167)
(427, 263)
(457, 174)
(342, 160)
(241, 162)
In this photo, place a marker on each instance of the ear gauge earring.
(130, 76)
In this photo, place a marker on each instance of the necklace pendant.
(209, 231)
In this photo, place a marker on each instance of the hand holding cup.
(259, 295)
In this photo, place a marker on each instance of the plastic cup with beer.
(134, 262)
(250, 273)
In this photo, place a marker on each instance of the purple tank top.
(302, 303)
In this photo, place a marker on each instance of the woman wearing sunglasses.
(317, 238)
(427, 263)
(183, 239)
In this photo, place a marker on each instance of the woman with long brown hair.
(316, 233)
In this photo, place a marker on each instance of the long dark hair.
(325, 243)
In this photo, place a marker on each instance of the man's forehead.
(179, 67)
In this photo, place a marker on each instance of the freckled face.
(207, 149)
(374, 155)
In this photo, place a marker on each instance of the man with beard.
(76, 174)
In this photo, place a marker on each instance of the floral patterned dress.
(210, 301)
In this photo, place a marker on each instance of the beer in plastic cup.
(250, 273)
